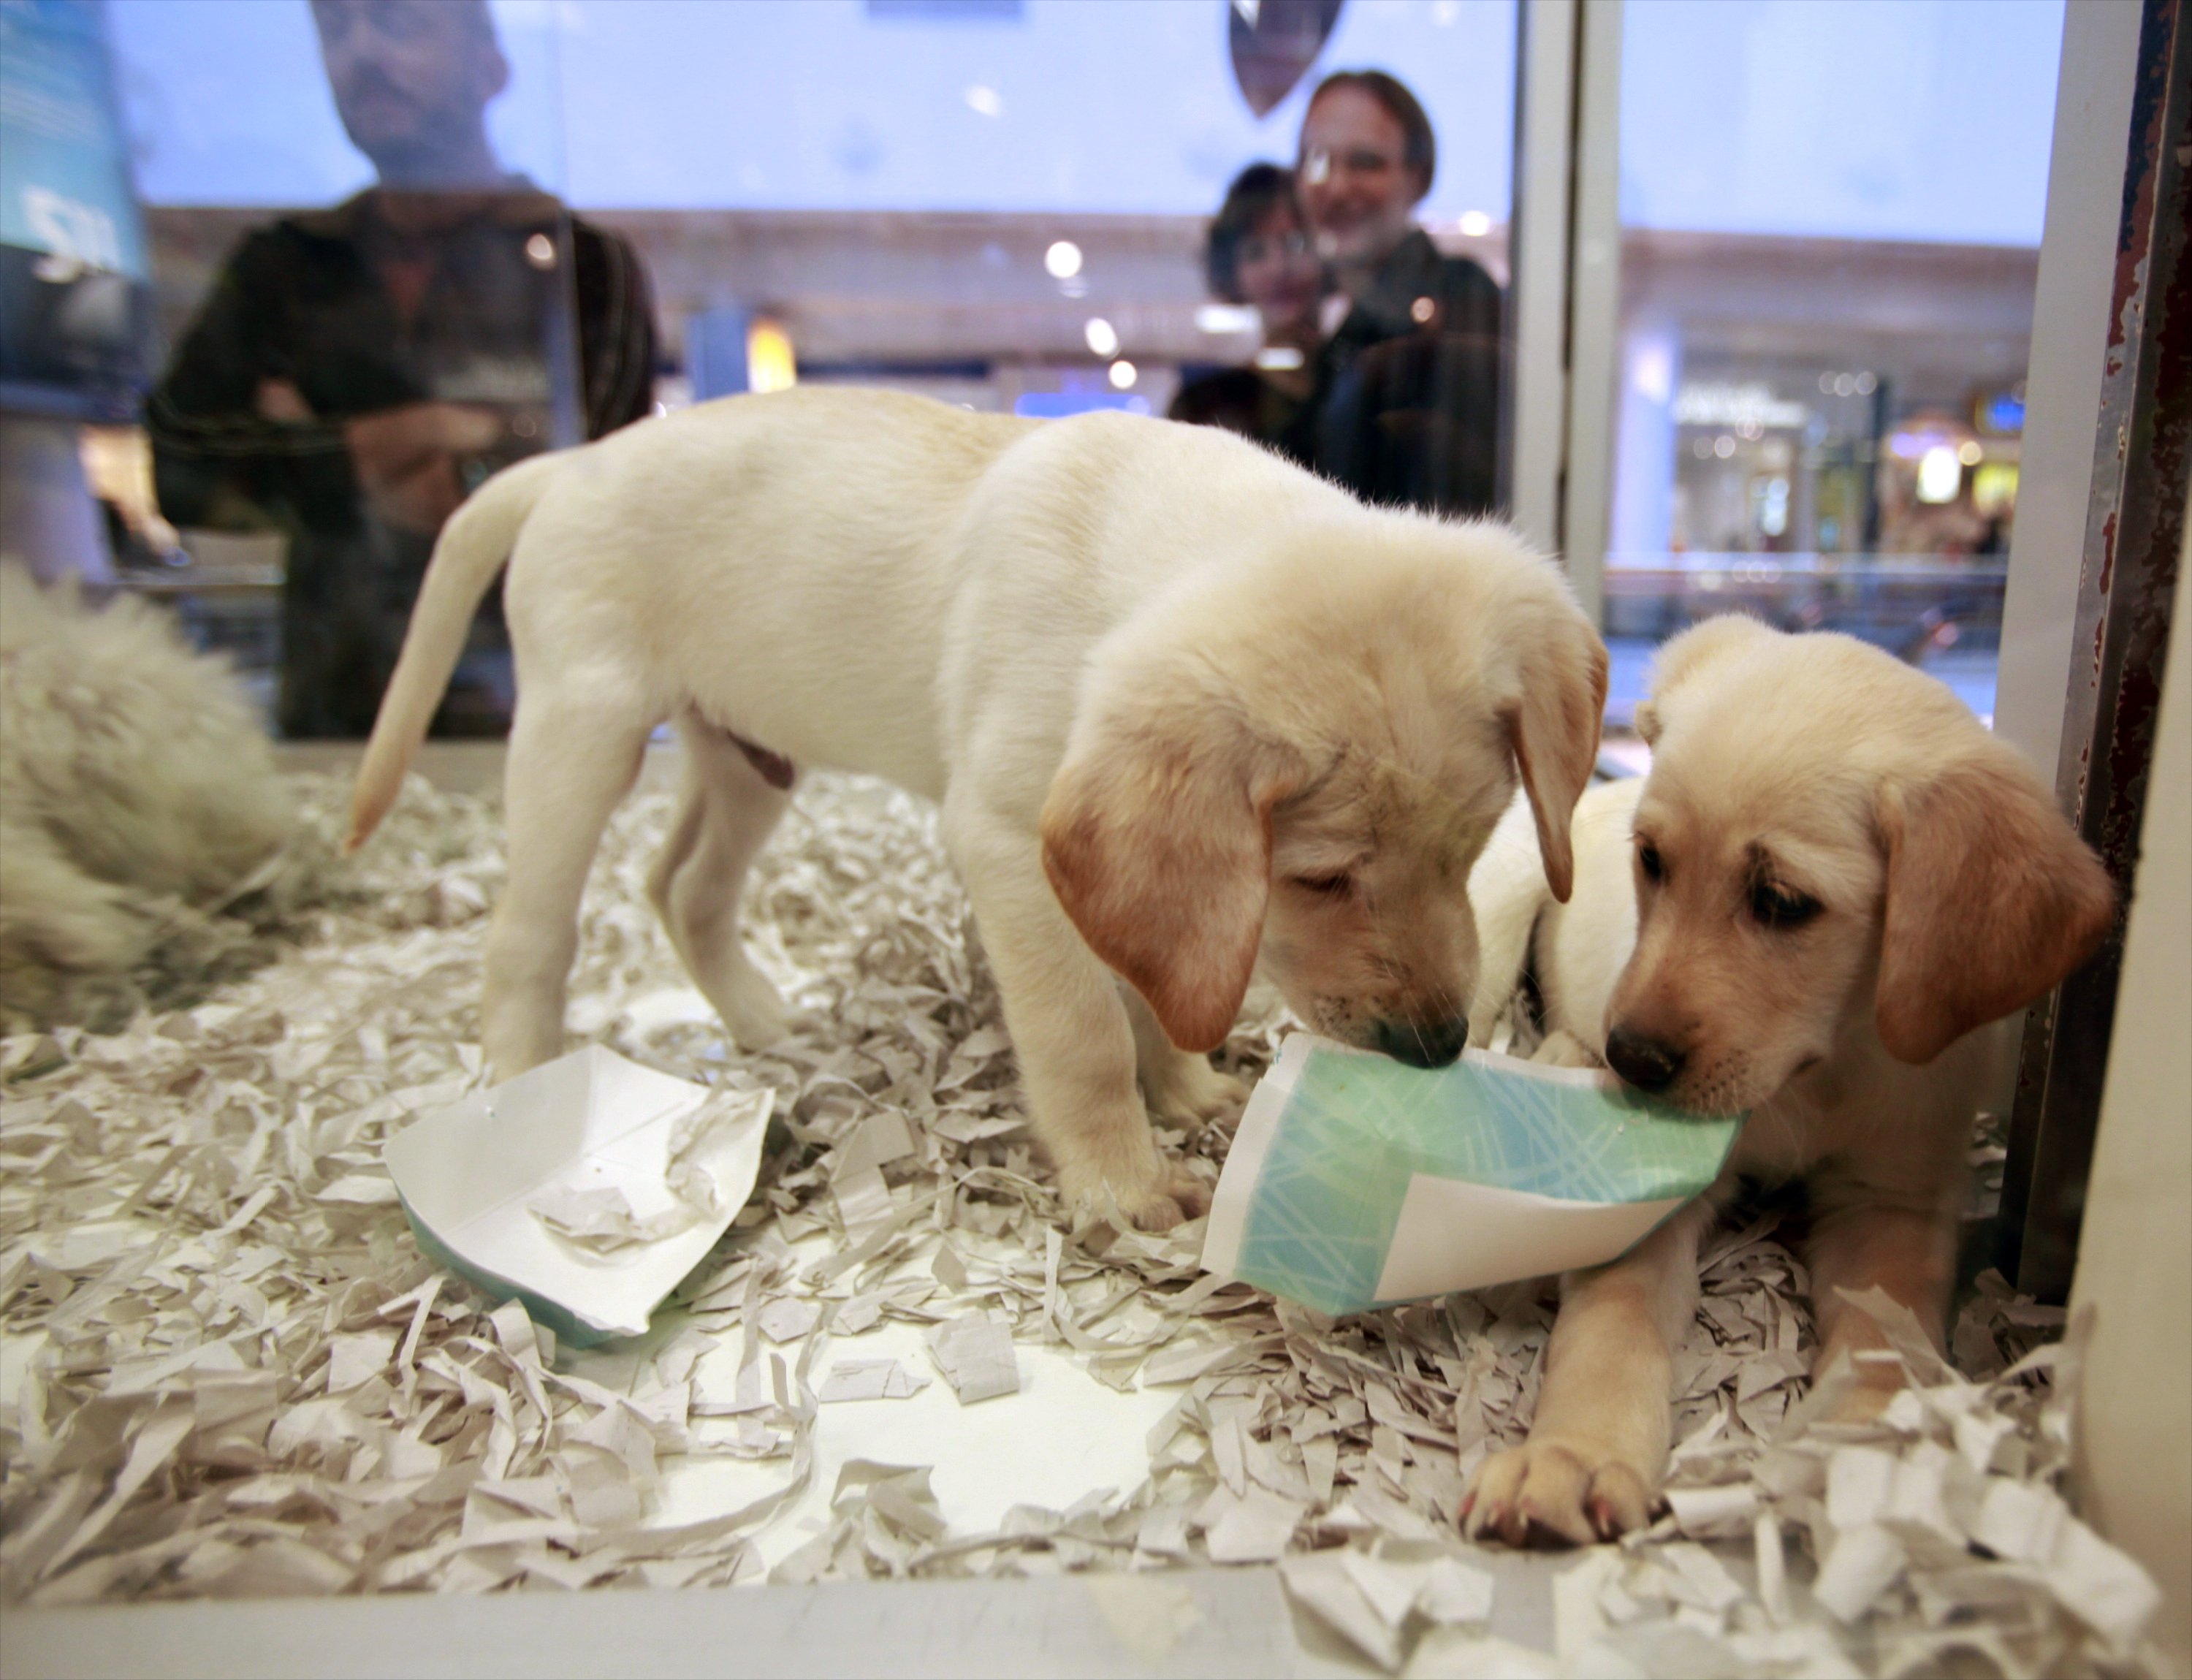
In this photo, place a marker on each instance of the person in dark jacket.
(1258, 253)
(355, 372)
(1408, 403)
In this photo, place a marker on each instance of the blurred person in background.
(1258, 253)
(355, 372)
(1407, 386)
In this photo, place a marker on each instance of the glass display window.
(1827, 282)
(1037, 206)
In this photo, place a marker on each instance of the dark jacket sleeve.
(616, 330)
(1414, 419)
(216, 460)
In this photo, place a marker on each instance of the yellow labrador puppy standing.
(1182, 706)
(1831, 879)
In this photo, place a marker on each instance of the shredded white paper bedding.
(228, 1372)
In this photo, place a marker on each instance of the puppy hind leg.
(1909, 1253)
(726, 813)
(684, 834)
(1179, 1085)
(572, 758)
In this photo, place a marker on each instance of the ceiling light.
(770, 362)
(1940, 475)
(1221, 318)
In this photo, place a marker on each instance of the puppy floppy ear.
(1992, 900)
(1157, 842)
(1553, 731)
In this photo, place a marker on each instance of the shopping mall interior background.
(1831, 223)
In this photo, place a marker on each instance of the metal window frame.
(2063, 378)
(1566, 281)
(1544, 124)
(2121, 587)
(1567, 266)
(1595, 305)
(2061, 418)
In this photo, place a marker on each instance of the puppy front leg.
(1069, 1029)
(1178, 1085)
(1598, 1445)
(1909, 1252)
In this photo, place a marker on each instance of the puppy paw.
(1877, 1384)
(1171, 1196)
(752, 1011)
(1557, 1491)
(1179, 1196)
(763, 1032)
(1192, 1093)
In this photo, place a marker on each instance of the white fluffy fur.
(137, 788)
(1181, 704)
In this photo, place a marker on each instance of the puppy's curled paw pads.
(1172, 1196)
(752, 1011)
(1864, 1400)
(765, 1029)
(1176, 1197)
(1198, 1096)
(1559, 1492)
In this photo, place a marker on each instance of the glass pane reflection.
(1005, 205)
(1827, 282)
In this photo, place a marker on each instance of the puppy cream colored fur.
(1183, 706)
(1832, 880)
(136, 787)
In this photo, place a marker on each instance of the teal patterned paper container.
(1355, 1181)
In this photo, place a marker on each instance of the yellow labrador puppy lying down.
(1183, 706)
(1832, 878)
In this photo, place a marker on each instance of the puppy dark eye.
(1647, 859)
(1331, 886)
(1772, 907)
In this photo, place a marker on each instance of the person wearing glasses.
(1258, 253)
(1407, 404)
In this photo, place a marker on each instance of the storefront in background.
(1824, 433)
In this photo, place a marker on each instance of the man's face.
(1356, 184)
(409, 76)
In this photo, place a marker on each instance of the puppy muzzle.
(1648, 1064)
(1423, 1043)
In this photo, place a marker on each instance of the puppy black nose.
(1646, 1063)
(1423, 1043)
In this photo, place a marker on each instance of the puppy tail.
(472, 549)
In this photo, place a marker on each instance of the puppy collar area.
(1355, 1182)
